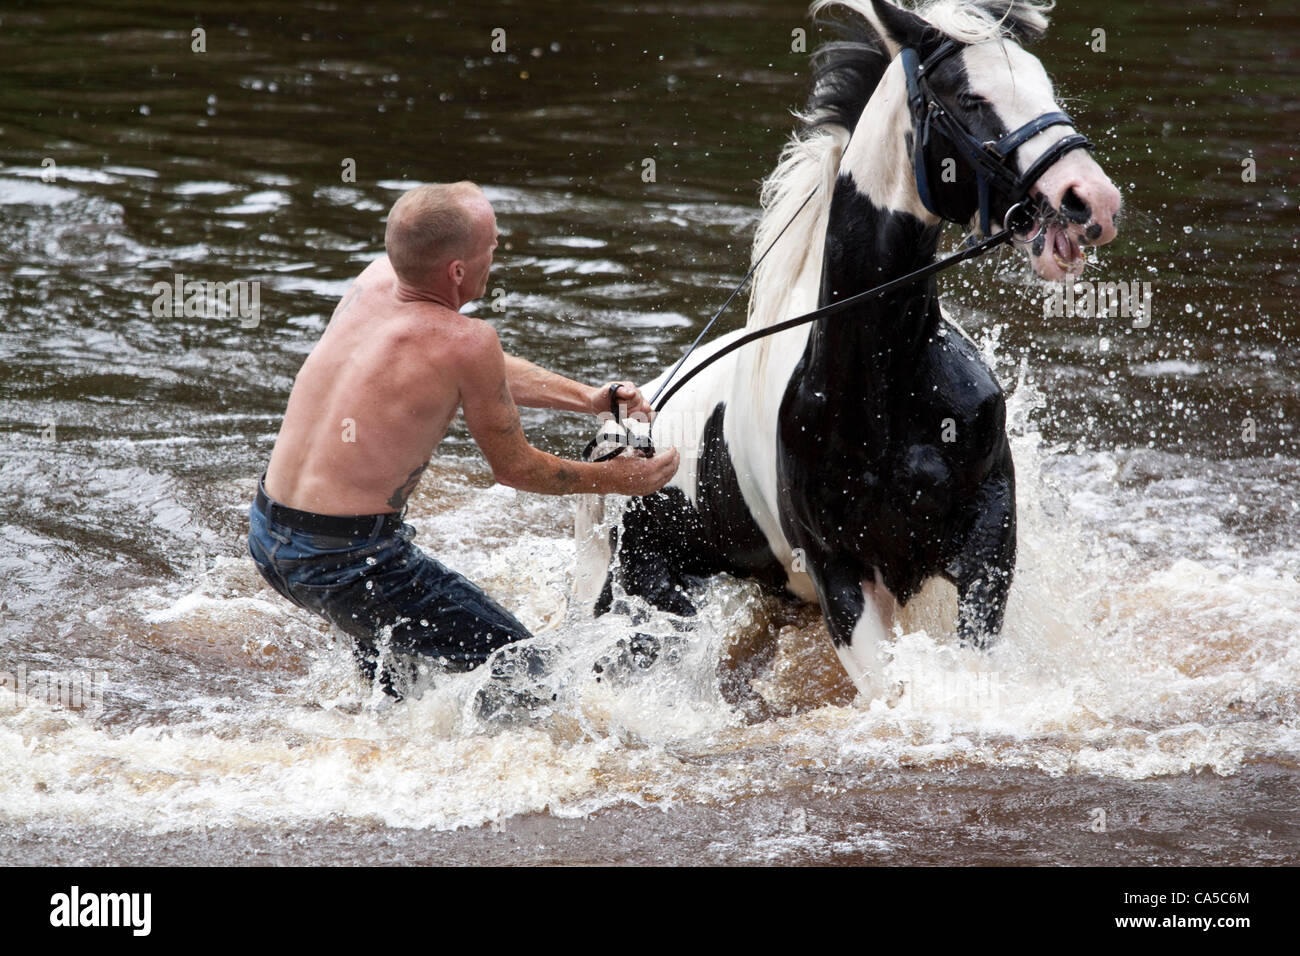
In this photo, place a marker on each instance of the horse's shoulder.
(961, 387)
(960, 365)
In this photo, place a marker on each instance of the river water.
(1141, 707)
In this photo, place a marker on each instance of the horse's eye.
(969, 101)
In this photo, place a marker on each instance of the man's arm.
(535, 387)
(493, 420)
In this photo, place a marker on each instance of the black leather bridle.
(993, 162)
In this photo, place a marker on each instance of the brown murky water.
(1151, 662)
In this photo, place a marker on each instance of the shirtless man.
(367, 411)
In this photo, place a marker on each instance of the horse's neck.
(867, 246)
(877, 230)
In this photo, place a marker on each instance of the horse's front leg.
(986, 558)
(859, 612)
(650, 546)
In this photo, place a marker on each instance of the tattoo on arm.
(397, 500)
(515, 424)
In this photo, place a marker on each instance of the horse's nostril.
(1093, 231)
(1073, 208)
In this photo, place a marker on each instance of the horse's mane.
(845, 73)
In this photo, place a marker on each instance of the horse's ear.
(898, 27)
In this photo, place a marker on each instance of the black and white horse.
(850, 460)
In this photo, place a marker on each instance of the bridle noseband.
(992, 162)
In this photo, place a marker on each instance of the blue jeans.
(367, 585)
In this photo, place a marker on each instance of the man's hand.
(635, 475)
(629, 396)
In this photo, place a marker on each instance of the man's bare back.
(371, 402)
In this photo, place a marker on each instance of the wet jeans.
(378, 587)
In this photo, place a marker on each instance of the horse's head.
(979, 130)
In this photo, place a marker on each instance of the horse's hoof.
(515, 661)
(511, 706)
(515, 693)
(637, 653)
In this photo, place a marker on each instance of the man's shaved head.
(430, 226)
